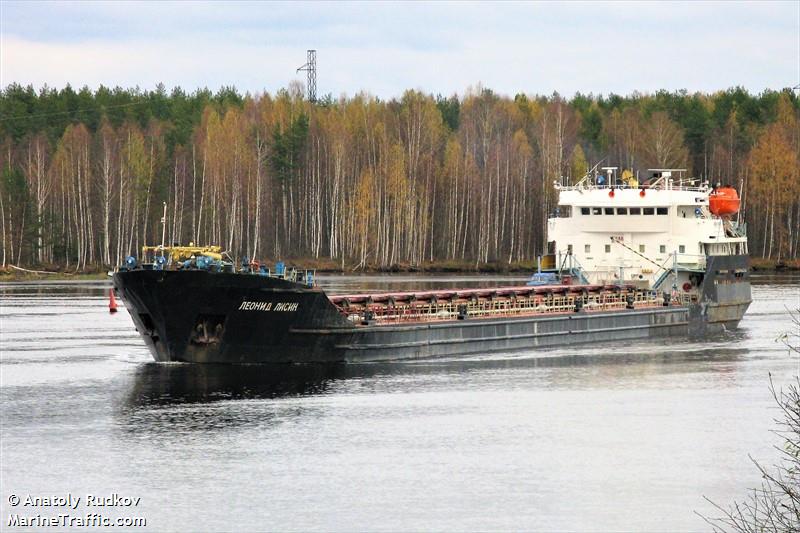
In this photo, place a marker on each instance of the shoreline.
(758, 264)
(334, 267)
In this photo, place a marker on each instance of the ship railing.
(684, 298)
(385, 313)
(571, 266)
(210, 259)
(739, 228)
(725, 248)
(674, 187)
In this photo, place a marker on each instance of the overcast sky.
(385, 48)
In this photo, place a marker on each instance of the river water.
(626, 436)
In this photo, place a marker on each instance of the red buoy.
(112, 302)
(611, 193)
(641, 193)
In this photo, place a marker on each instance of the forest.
(361, 181)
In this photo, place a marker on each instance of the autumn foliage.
(361, 180)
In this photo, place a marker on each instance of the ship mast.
(163, 228)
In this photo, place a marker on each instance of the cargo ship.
(626, 260)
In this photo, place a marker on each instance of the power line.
(53, 113)
(311, 69)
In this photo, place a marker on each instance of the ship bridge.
(616, 230)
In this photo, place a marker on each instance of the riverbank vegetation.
(362, 182)
(775, 505)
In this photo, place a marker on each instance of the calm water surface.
(627, 436)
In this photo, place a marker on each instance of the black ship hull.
(202, 317)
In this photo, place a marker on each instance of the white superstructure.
(655, 235)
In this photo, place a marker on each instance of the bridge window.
(587, 248)
(608, 248)
(662, 210)
(641, 248)
(649, 211)
(622, 210)
(682, 249)
(597, 211)
(609, 210)
(662, 249)
(636, 210)
(585, 211)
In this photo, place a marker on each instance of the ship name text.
(288, 307)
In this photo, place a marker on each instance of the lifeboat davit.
(724, 201)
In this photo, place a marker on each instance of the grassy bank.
(772, 265)
(333, 266)
(15, 275)
(330, 266)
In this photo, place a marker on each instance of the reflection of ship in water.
(156, 384)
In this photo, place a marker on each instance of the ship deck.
(408, 307)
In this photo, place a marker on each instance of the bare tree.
(775, 505)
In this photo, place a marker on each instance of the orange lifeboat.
(724, 201)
